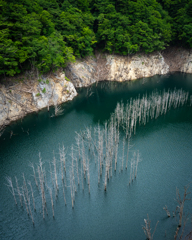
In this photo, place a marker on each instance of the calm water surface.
(165, 148)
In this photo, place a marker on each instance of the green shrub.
(44, 90)
(38, 94)
(67, 79)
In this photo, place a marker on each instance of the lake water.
(165, 148)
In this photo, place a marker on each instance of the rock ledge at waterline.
(115, 68)
(19, 99)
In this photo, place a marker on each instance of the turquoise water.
(165, 148)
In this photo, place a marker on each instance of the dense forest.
(46, 34)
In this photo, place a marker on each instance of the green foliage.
(28, 38)
(38, 94)
(129, 26)
(50, 52)
(67, 79)
(44, 90)
(47, 34)
(74, 26)
(181, 20)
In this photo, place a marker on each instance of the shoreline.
(19, 98)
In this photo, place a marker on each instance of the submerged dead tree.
(50, 192)
(42, 191)
(32, 195)
(181, 203)
(55, 171)
(77, 170)
(140, 110)
(82, 176)
(72, 189)
(64, 193)
(25, 188)
(167, 211)
(107, 166)
(34, 174)
(58, 111)
(11, 188)
(88, 174)
(19, 192)
(128, 148)
(23, 194)
(123, 154)
(83, 158)
(30, 211)
(137, 162)
(77, 138)
(73, 169)
(51, 174)
(116, 145)
(147, 228)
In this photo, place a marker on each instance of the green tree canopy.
(46, 34)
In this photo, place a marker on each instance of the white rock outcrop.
(187, 64)
(125, 68)
(115, 68)
(29, 96)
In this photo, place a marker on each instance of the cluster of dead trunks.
(107, 146)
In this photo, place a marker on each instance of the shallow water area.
(166, 163)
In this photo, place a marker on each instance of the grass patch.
(67, 79)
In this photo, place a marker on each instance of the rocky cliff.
(115, 68)
(29, 95)
(22, 97)
(122, 68)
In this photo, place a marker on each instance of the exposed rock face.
(115, 68)
(82, 72)
(122, 68)
(29, 96)
(178, 59)
(138, 66)
(53, 92)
